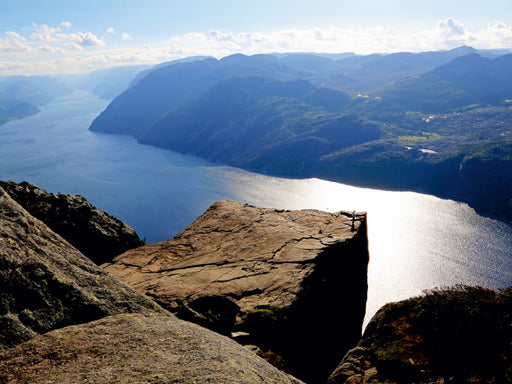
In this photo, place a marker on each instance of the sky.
(71, 36)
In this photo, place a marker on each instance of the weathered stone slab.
(294, 281)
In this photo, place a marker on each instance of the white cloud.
(72, 47)
(14, 43)
(65, 24)
(86, 39)
(50, 49)
(83, 51)
(44, 33)
(14, 36)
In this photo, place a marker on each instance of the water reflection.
(417, 241)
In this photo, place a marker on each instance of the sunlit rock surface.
(293, 283)
(135, 348)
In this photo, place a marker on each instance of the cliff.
(457, 335)
(64, 319)
(292, 283)
(94, 232)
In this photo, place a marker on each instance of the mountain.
(262, 124)
(143, 74)
(105, 83)
(139, 107)
(366, 73)
(433, 122)
(466, 81)
(21, 96)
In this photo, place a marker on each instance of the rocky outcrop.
(134, 348)
(293, 283)
(98, 235)
(45, 283)
(457, 335)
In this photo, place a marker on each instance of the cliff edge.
(64, 319)
(293, 283)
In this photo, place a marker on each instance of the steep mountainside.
(262, 124)
(291, 282)
(136, 110)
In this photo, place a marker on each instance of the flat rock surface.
(46, 283)
(255, 256)
(133, 348)
(292, 283)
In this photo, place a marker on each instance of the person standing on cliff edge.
(353, 219)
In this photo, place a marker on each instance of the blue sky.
(54, 36)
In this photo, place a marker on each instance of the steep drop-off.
(293, 283)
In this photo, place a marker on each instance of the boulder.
(94, 232)
(293, 283)
(45, 283)
(136, 348)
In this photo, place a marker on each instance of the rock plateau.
(292, 283)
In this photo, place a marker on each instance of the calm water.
(417, 241)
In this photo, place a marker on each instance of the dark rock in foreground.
(95, 233)
(293, 283)
(457, 335)
(45, 283)
(134, 348)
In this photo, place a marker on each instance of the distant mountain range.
(21, 96)
(435, 122)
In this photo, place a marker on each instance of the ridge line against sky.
(56, 36)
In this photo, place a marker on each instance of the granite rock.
(45, 283)
(292, 283)
(136, 348)
(94, 232)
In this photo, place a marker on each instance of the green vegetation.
(461, 332)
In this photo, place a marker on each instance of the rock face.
(457, 335)
(135, 348)
(293, 283)
(45, 283)
(98, 235)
